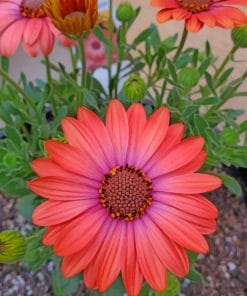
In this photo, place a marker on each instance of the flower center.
(96, 44)
(32, 8)
(125, 193)
(195, 6)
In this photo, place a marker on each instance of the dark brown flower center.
(32, 9)
(126, 192)
(195, 6)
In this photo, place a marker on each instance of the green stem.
(122, 39)
(226, 60)
(181, 44)
(84, 68)
(109, 53)
(21, 91)
(48, 69)
(73, 60)
(49, 81)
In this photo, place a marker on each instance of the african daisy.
(124, 197)
(198, 13)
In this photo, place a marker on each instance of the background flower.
(25, 22)
(71, 16)
(124, 197)
(95, 52)
(198, 13)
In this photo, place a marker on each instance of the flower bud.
(239, 36)
(188, 77)
(12, 246)
(125, 12)
(134, 89)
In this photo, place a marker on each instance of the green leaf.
(230, 136)
(62, 286)
(117, 289)
(204, 66)
(173, 287)
(145, 290)
(143, 36)
(232, 184)
(172, 70)
(192, 256)
(10, 160)
(223, 77)
(101, 36)
(195, 276)
(201, 125)
(210, 83)
(208, 101)
(243, 126)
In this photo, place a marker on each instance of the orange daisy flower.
(73, 17)
(198, 13)
(124, 197)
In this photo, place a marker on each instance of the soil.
(224, 268)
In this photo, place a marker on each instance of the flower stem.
(109, 52)
(21, 91)
(83, 69)
(122, 38)
(49, 81)
(48, 69)
(226, 60)
(181, 44)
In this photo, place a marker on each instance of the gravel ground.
(224, 269)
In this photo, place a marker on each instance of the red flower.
(198, 13)
(124, 197)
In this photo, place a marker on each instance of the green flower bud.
(125, 12)
(239, 36)
(188, 77)
(12, 246)
(134, 89)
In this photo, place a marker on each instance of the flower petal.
(98, 130)
(179, 156)
(117, 126)
(132, 276)
(58, 188)
(193, 204)
(46, 167)
(78, 261)
(153, 135)
(193, 24)
(189, 183)
(171, 255)
(77, 233)
(72, 160)
(173, 136)
(137, 120)
(55, 212)
(153, 270)
(180, 231)
(164, 15)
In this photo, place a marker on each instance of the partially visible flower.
(25, 22)
(134, 89)
(72, 17)
(12, 246)
(124, 197)
(239, 36)
(197, 13)
(95, 52)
